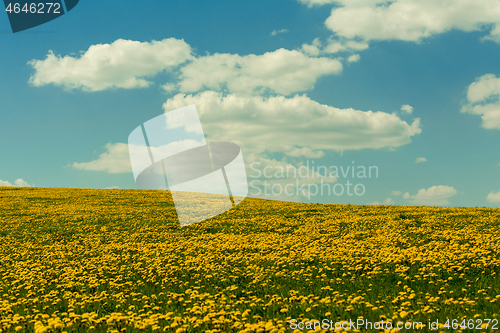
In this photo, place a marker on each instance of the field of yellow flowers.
(88, 260)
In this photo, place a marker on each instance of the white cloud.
(112, 188)
(311, 3)
(175, 147)
(420, 160)
(127, 64)
(357, 23)
(333, 46)
(18, 182)
(305, 152)
(288, 125)
(483, 99)
(312, 49)
(433, 196)
(353, 58)
(275, 32)
(493, 197)
(297, 127)
(407, 108)
(121, 64)
(344, 45)
(387, 201)
(282, 71)
(115, 160)
(396, 193)
(411, 20)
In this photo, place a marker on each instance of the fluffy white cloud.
(433, 196)
(288, 125)
(410, 20)
(312, 49)
(483, 99)
(282, 71)
(420, 160)
(354, 58)
(493, 197)
(121, 64)
(396, 193)
(17, 182)
(115, 160)
(407, 108)
(21, 182)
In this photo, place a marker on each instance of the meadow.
(89, 260)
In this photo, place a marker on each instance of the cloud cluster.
(433, 196)
(121, 64)
(483, 98)
(356, 23)
(229, 91)
(18, 182)
(126, 64)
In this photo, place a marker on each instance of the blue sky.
(291, 82)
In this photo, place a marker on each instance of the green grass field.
(82, 260)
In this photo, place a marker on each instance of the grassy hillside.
(79, 260)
